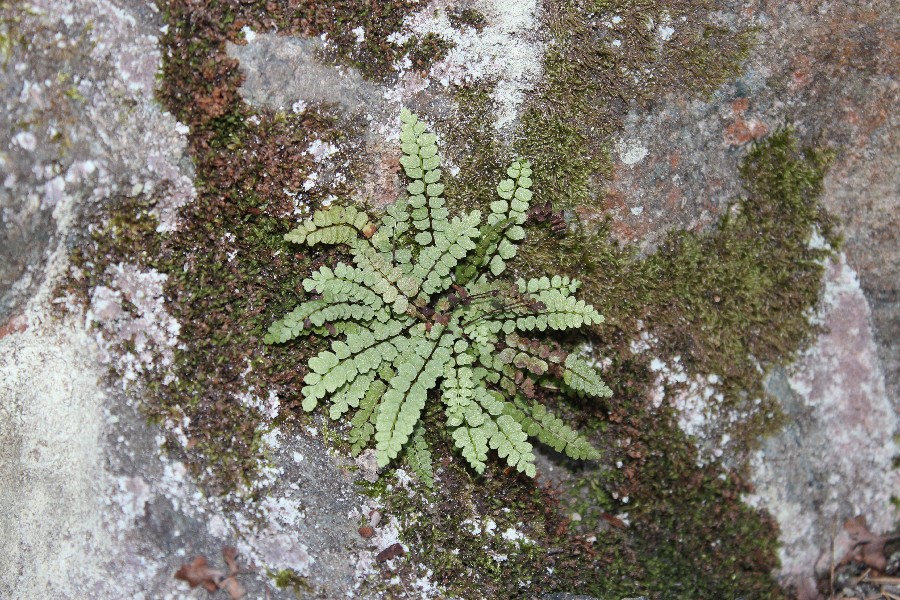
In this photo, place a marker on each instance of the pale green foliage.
(418, 455)
(422, 313)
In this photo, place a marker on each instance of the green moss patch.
(606, 58)
(734, 302)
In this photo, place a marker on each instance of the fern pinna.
(423, 310)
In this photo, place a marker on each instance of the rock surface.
(834, 456)
(828, 70)
(89, 503)
(93, 135)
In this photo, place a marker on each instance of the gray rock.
(89, 503)
(280, 72)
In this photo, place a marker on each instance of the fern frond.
(534, 357)
(293, 324)
(511, 443)
(564, 311)
(511, 210)
(342, 284)
(473, 443)
(449, 247)
(584, 379)
(418, 455)
(557, 311)
(384, 278)
(335, 225)
(459, 391)
(363, 423)
(362, 352)
(407, 391)
(393, 227)
(421, 163)
(540, 423)
(350, 394)
(421, 312)
(559, 283)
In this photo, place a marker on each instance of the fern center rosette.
(424, 311)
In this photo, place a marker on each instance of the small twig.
(831, 569)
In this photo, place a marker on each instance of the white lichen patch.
(665, 32)
(131, 313)
(103, 143)
(508, 50)
(267, 406)
(477, 526)
(696, 398)
(631, 151)
(664, 29)
(320, 150)
(387, 533)
(511, 534)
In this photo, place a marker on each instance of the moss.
(733, 302)
(447, 530)
(338, 22)
(288, 579)
(227, 265)
(427, 50)
(466, 17)
(590, 84)
(470, 141)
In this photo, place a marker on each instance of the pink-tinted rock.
(833, 459)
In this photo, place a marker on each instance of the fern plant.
(424, 312)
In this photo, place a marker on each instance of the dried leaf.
(366, 531)
(867, 547)
(198, 572)
(392, 551)
(234, 588)
(230, 554)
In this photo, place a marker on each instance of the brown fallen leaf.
(867, 547)
(230, 553)
(198, 572)
(612, 520)
(233, 587)
(392, 551)
(366, 531)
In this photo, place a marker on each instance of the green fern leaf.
(422, 312)
(511, 443)
(418, 455)
(335, 225)
(539, 422)
(584, 379)
(363, 423)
